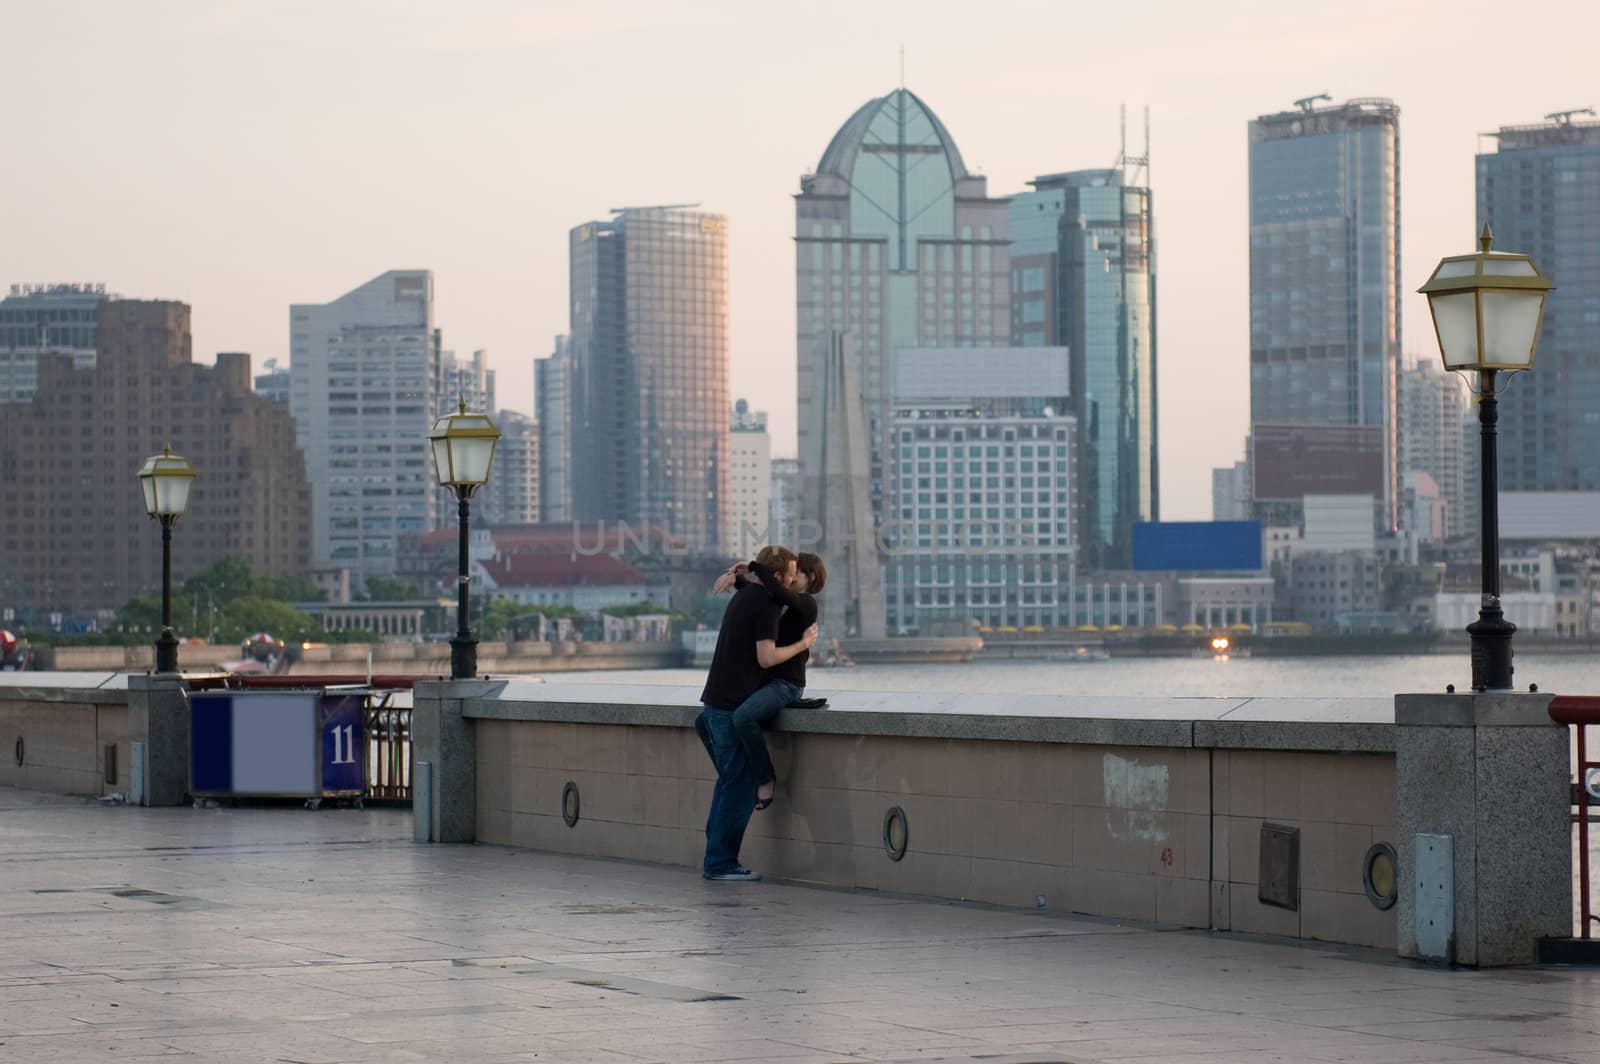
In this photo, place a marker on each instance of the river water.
(1192, 677)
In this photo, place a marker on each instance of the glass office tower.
(1083, 277)
(1325, 272)
(1540, 193)
(648, 384)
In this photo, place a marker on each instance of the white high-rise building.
(363, 374)
(552, 404)
(513, 488)
(465, 379)
(981, 512)
(783, 508)
(1434, 424)
(749, 480)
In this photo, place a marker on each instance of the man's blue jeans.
(733, 799)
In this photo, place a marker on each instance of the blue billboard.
(1189, 546)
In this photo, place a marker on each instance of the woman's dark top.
(800, 615)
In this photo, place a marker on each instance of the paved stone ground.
(286, 935)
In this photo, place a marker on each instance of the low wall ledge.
(1329, 725)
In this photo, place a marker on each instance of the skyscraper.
(362, 391)
(45, 319)
(465, 378)
(898, 246)
(1434, 425)
(1325, 276)
(749, 480)
(1540, 193)
(512, 495)
(552, 401)
(649, 372)
(1083, 277)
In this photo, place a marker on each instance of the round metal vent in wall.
(896, 833)
(570, 804)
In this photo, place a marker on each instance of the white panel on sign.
(275, 743)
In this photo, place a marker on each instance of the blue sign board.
(1196, 546)
(343, 745)
(276, 743)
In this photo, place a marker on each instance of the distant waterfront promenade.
(1177, 677)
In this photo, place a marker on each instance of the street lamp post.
(1487, 309)
(166, 479)
(463, 451)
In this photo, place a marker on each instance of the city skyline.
(278, 192)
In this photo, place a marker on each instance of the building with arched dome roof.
(898, 245)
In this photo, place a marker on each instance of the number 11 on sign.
(344, 745)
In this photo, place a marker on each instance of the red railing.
(391, 683)
(1578, 711)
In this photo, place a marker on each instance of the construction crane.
(1564, 118)
(1309, 103)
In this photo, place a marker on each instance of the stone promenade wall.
(62, 735)
(1134, 817)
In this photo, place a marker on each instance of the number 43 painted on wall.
(343, 744)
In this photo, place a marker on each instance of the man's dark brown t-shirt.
(735, 674)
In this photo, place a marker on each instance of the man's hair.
(776, 558)
(816, 572)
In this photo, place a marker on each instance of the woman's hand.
(729, 578)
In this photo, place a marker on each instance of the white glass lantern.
(166, 479)
(1487, 308)
(463, 448)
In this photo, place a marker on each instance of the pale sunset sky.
(245, 156)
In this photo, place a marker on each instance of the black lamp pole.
(167, 642)
(463, 648)
(1491, 632)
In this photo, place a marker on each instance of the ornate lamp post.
(1487, 309)
(463, 451)
(166, 479)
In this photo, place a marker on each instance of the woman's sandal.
(762, 803)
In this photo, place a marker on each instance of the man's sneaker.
(738, 872)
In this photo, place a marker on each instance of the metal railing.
(1580, 711)
(385, 727)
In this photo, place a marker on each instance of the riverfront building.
(898, 246)
(1325, 280)
(1540, 193)
(74, 536)
(980, 521)
(363, 389)
(648, 379)
(1083, 278)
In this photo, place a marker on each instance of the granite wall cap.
(1492, 709)
(1318, 724)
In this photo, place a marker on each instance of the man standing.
(746, 649)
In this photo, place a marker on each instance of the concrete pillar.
(158, 718)
(1492, 772)
(447, 740)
